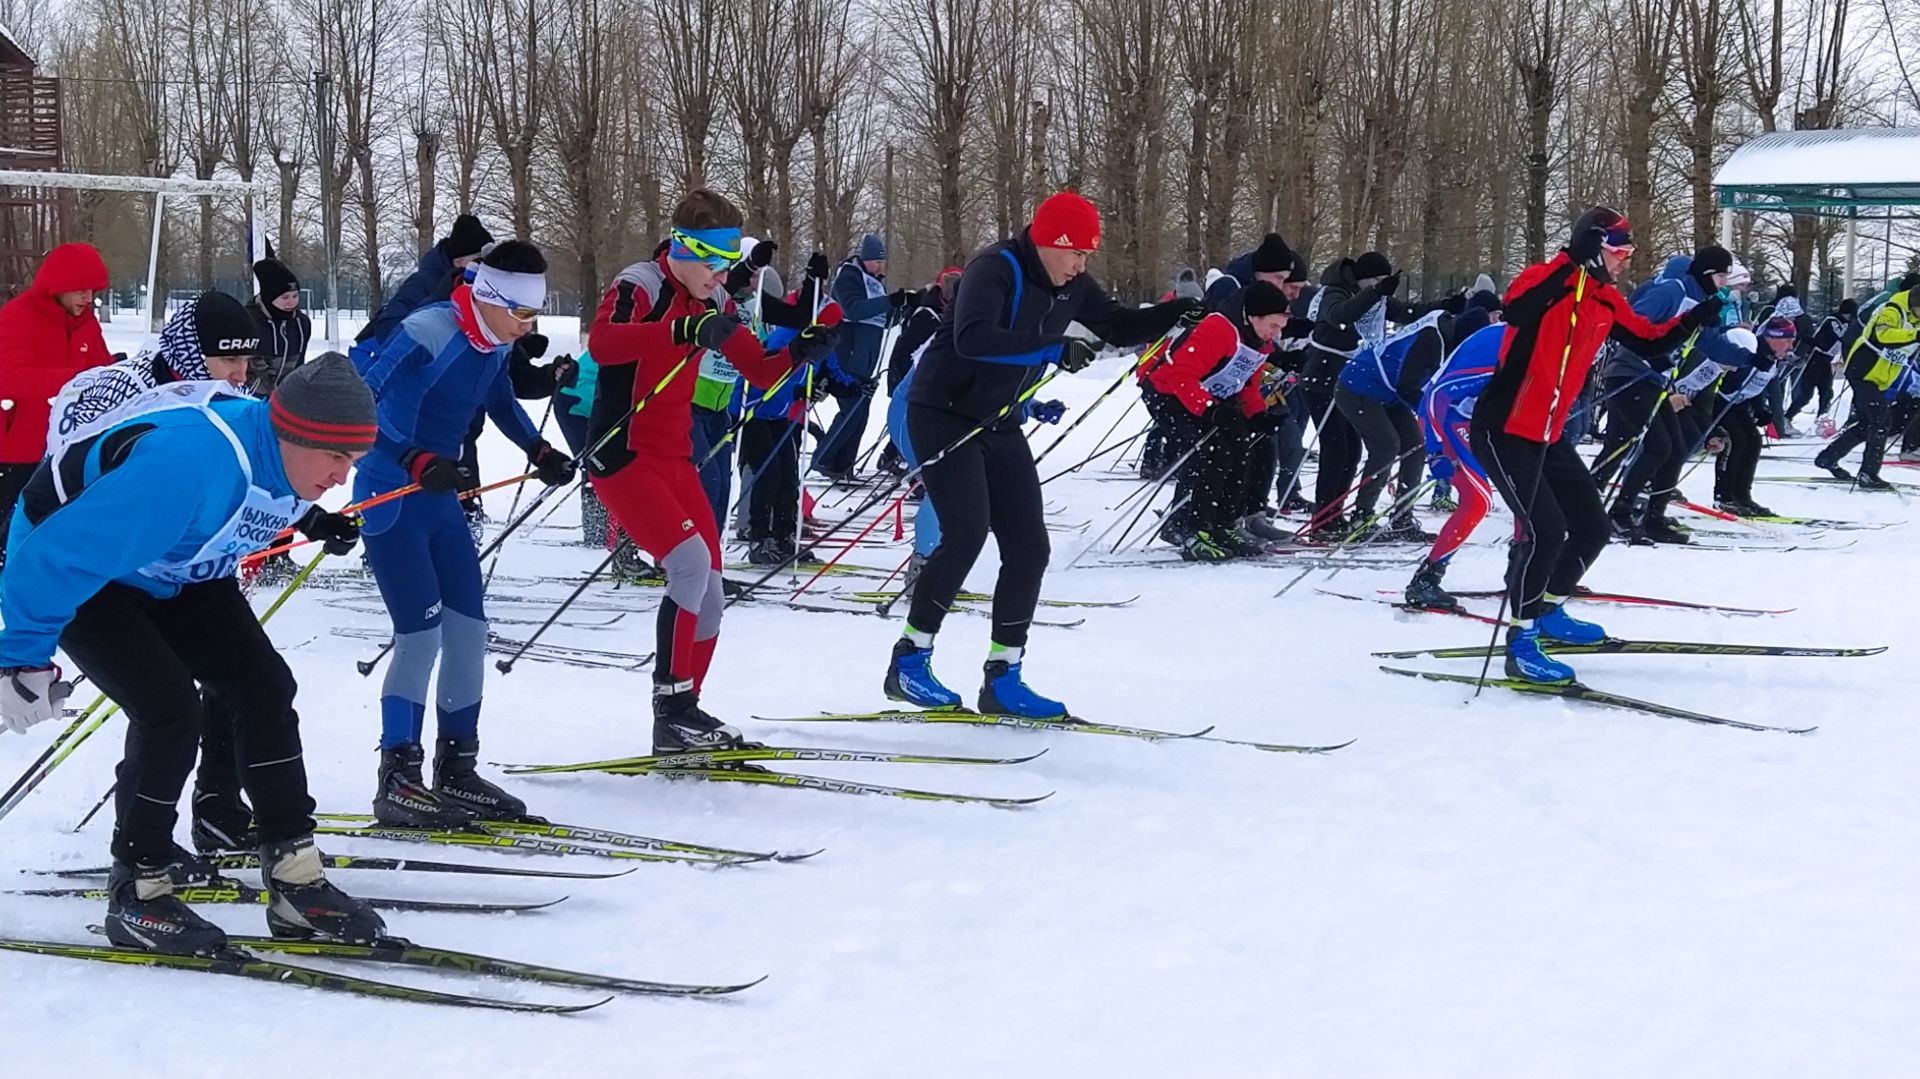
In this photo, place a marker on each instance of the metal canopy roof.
(1825, 172)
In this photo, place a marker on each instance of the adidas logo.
(1063, 241)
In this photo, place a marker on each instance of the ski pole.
(1097, 454)
(1359, 533)
(26, 777)
(1150, 490)
(800, 492)
(1293, 481)
(842, 553)
(514, 506)
(1133, 370)
(1526, 521)
(357, 508)
(884, 493)
(1118, 420)
(505, 666)
(1147, 503)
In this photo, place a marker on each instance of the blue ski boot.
(1557, 625)
(1526, 662)
(910, 678)
(1004, 694)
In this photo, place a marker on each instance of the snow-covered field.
(1503, 887)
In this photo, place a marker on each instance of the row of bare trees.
(1457, 135)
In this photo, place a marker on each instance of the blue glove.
(1440, 466)
(1048, 411)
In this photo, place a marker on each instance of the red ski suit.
(42, 348)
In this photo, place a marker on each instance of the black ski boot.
(1831, 465)
(1404, 528)
(457, 783)
(222, 824)
(1330, 528)
(1871, 483)
(679, 726)
(1425, 591)
(190, 870)
(403, 800)
(304, 904)
(1263, 526)
(144, 914)
(1627, 527)
(1657, 528)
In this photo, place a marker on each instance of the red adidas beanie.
(1066, 220)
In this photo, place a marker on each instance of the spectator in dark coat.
(859, 287)
(285, 330)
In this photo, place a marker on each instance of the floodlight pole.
(329, 228)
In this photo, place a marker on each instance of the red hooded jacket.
(1557, 318)
(42, 347)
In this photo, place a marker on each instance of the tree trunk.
(370, 227)
(426, 158)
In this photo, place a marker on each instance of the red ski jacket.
(1212, 363)
(1550, 345)
(632, 341)
(42, 347)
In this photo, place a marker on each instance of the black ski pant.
(1815, 377)
(988, 484)
(771, 450)
(1867, 427)
(147, 654)
(1211, 489)
(13, 478)
(1905, 415)
(1559, 526)
(1640, 411)
(1339, 456)
(1733, 472)
(1273, 457)
(1289, 451)
(1392, 438)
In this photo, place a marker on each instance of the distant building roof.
(1827, 172)
(11, 51)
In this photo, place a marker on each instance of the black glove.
(1584, 249)
(1076, 355)
(902, 298)
(1454, 304)
(336, 533)
(812, 344)
(817, 266)
(1297, 328)
(1764, 361)
(535, 344)
(740, 279)
(565, 369)
(762, 256)
(1187, 310)
(553, 467)
(1704, 313)
(1226, 415)
(431, 471)
(709, 330)
(1388, 285)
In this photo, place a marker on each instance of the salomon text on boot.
(457, 782)
(403, 800)
(143, 913)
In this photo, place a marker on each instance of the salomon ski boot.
(1425, 590)
(1003, 693)
(143, 913)
(1557, 625)
(910, 678)
(457, 783)
(303, 904)
(1526, 662)
(403, 800)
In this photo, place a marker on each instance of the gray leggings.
(1391, 434)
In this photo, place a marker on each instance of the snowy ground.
(1511, 886)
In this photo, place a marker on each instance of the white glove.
(30, 695)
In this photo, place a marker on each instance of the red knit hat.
(1066, 220)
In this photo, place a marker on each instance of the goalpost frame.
(161, 187)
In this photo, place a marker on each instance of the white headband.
(504, 288)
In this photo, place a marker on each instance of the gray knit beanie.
(324, 405)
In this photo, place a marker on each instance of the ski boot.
(1202, 547)
(457, 783)
(765, 552)
(144, 914)
(1404, 528)
(630, 565)
(1831, 465)
(910, 678)
(679, 726)
(1263, 526)
(1296, 504)
(1425, 590)
(189, 870)
(1872, 483)
(1742, 507)
(1527, 663)
(403, 800)
(1332, 527)
(1659, 530)
(1177, 531)
(1557, 625)
(303, 904)
(1239, 542)
(222, 824)
(1443, 502)
(1003, 693)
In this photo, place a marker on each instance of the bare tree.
(1536, 37)
(946, 41)
(689, 60)
(1642, 44)
(510, 91)
(582, 79)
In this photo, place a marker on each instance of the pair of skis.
(1068, 724)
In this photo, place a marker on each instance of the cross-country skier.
(1741, 391)
(1558, 313)
(652, 323)
(1824, 353)
(1377, 392)
(1446, 410)
(1207, 394)
(1878, 356)
(1007, 323)
(123, 552)
(443, 363)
